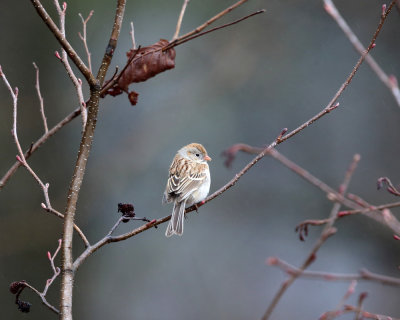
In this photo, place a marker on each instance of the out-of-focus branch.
(358, 311)
(179, 23)
(37, 86)
(389, 186)
(352, 201)
(364, 274)
(328, 231)
(369, 209)
(389, 81)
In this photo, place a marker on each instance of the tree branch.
(328, 231)
(64, 43)
(389, 81)
(22, 160)
(80, 166)
(364, 274)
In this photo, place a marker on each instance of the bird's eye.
(197, 155)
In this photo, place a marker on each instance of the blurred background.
(241, 84)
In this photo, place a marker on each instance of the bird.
(188, 183)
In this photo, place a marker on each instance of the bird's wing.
(181, 185)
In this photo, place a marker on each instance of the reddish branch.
(328, 231)
(18, 286)
(352, 201)
(21, 159)
(389, 185)
(64, 43)
(389, 81)
(46, 129)
(362, 275)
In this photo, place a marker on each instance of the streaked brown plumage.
(188, 183)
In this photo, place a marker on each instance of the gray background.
(242, 84)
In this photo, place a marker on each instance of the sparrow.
(188, 183)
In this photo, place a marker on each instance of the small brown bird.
(188, 183)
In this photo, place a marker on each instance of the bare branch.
(18, 286)
(37, 144)
(83, 38)
(390, 187)
(369, 209)
(328, 231)
(37, 86)
(22, 160)
(64, 43)
(64, 59)
(389, 81)
(179, 23)
(80, 166)
(132, 33)
(364, 274)
(352, 201)
(213, 19)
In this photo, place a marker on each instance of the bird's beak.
(207, 158)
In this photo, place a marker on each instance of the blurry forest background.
(241, 84)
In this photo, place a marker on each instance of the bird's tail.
(175, 225)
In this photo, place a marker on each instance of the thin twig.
(389, 81)
(352, 309)
(364, 274)
(64, 59)
(213, 19)
(132, 33)
(44, 300)
(179, 23)
(37, 86)
(22, 160)
(369, 209)
(64, 43)
(328, 231)
(37, 144)
(56, 273)
(182, 40)
(352, 201)
(390, 187)
(83, 38)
